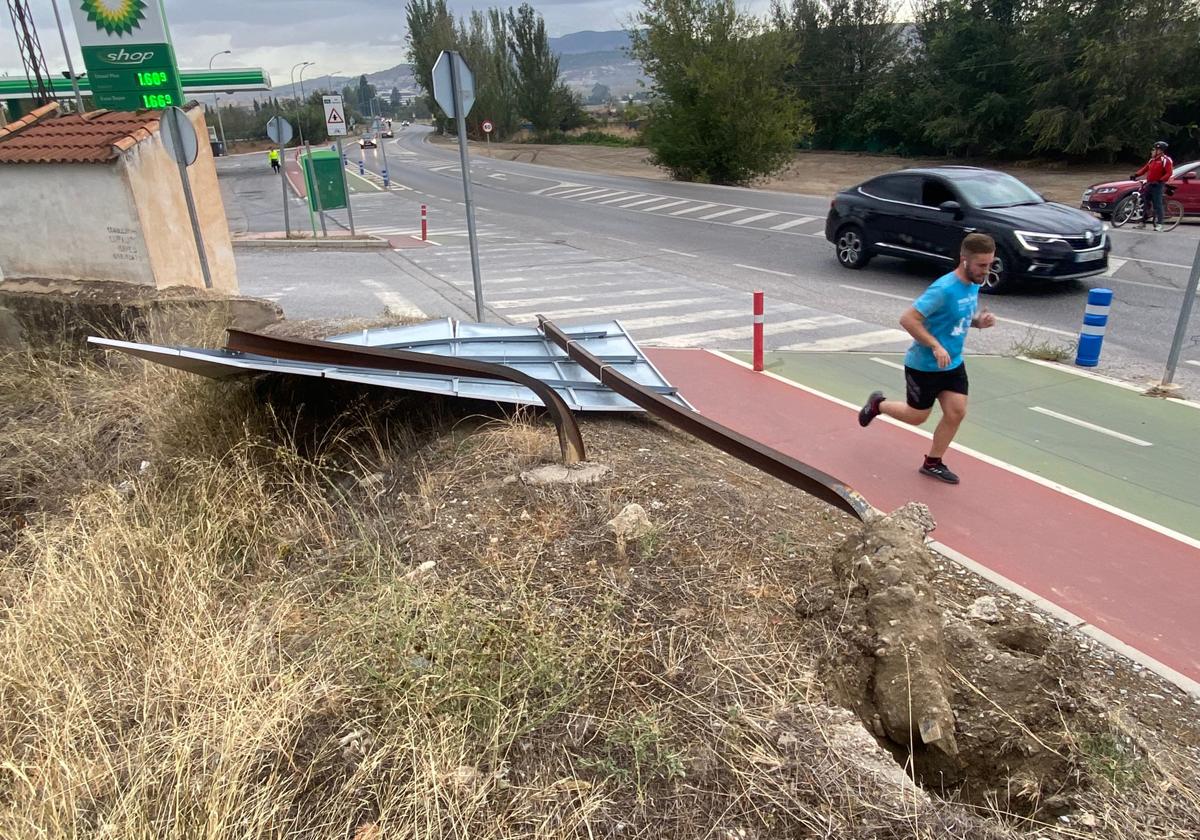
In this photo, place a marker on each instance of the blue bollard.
(1095, 322)
(362, 170)
(385, 178)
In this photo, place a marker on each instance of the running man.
(934, 370)
(1158, 170)
(274, 157)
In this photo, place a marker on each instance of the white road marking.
(591, 192)
(656, 208)
(797, 221)
(605, 194)
(640, 203)
(539, 301)
(763, 270)
(695, 209)
(566, 192)
(745, 330)
(887, 362)
(721, 213)
(1191, 362)
(1114, 265)
(1092, 426)
(499, 176)
(394, 301)
(853, 342)
(680, 253)
(876, 292)
(560, 186)
(755, 218)
(655, 321)
(610, 309)
(627, 197)
(988, 459)
(623, 241)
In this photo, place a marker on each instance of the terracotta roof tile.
(44, 136)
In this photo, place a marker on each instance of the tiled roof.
(44, 136)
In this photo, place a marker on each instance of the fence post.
(1095, 322)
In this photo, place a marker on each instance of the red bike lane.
(1128, 580)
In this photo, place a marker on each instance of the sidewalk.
(1130, 580)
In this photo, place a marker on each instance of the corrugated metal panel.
(523, 348)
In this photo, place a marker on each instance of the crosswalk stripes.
(660, 307)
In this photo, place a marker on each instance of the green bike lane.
(1136, 453)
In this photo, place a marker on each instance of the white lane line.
(797, 221)
(594, 192)
(396, 303)
(1083, 424)
(568, 191)
(887, 362)
(680, 253)
(366, 181)
(658, 207)
(623, 241)
(1145, 285)
(539, 301)
(755, 218)
(707, 316)
(721, 213)
(627, 197)
(987, 459)
(695, 209)
(499, 176)
(763, 270)
(606, 194)
(853, 342)
(1005, 320)
(1155, 262)
(876, 292)
(610, 309)
(744, 330)
(640, 203)
(1114, 265)
(1191, 362)
(561, 186)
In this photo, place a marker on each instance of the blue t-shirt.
(948, 306)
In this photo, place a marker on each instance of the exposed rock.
(631, 523)
(985, 609)
(581, 473)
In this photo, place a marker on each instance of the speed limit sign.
(487, 126)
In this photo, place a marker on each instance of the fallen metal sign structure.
(765, 458)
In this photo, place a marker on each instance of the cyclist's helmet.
(1161, 144)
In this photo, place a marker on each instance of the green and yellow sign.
(127, 51)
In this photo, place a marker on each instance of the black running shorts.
(923, 386)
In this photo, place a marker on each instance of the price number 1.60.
(152, 78)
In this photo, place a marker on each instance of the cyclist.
(1158, 170)
(274, 157)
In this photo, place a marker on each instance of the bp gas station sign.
(128, 54)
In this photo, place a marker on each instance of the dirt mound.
(974, 701)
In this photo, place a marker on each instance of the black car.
(923, 214)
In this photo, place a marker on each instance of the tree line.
(1095, 79)
(516, 71)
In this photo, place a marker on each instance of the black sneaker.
(870, 409)
(939, 471)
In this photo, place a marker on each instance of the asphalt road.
(677, 261)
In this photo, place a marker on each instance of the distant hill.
(589, 42)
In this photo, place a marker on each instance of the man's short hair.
(978, 243)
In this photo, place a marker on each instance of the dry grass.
(235, 611)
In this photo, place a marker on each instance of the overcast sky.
(342, 36)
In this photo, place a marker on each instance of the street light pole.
(217, 104)
(67, 53)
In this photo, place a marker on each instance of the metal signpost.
(487, 130)
(454, 90)
(128, 54)
(280, 131)
(335, 126)
(1181, 328)
(182, 145)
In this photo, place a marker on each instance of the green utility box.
(326, 167)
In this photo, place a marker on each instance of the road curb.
(330, 244)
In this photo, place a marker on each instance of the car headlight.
(1088, 193)
(1106, 190)
(1030, 239)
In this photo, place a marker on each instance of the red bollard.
(758, 330)
(424, 223)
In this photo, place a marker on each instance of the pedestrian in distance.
(1158, 170)
(274, 157)
(934, 370)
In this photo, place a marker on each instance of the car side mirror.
(1188, 176)
(951, 207)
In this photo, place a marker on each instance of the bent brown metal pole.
(772, 461)
(570, 441)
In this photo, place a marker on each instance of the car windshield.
(1187, 167)
(995, 189)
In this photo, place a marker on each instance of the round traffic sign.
(487, 126)
(178, 135)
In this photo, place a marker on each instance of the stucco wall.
(74, 222)
(154, 178)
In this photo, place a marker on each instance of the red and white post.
(424, 222)
(759, 319)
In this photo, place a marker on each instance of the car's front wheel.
(850, 247)
(1001, 277)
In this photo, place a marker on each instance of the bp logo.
(116, 17)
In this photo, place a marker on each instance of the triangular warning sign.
(334, 117)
